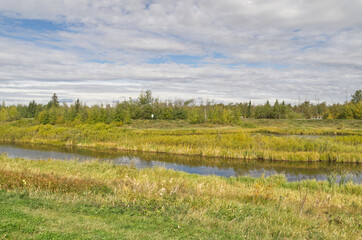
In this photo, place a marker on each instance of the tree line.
(148, 107)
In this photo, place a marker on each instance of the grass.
(286, 125)
(47, 199)
(297, 140)
(36, 218)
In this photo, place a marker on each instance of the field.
(93, 200)
(291, 140)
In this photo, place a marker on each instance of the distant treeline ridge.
(148, 107)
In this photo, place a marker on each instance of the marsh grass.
(274, 143)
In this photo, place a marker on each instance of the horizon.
(196, 101)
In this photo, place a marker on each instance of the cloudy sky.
(230, 50)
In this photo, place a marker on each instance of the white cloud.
(282, 49)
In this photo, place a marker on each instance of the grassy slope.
(339, 140)
(92, 200)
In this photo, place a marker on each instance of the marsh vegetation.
(293, 171)
(283, 142)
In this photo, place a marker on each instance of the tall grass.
(219, 142)
(266, 207)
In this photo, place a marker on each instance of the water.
(293, 171)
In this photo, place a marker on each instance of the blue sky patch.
(147, 4)
(14, 24)
(102, 61)
(258, 65)
(179, 59)
(218, 55)
(316, 45)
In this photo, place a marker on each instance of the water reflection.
(192, 164)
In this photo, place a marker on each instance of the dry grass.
(244, 206)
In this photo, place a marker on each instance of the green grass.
(304, 125)
(297, 140)
(92, 200)
(28, 217)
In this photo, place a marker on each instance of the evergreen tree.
(249, 110)
(276, 110)
(268, 110)
(357, 96)
(77, 105)
(31, 109)
(54, 102)
(283, 110)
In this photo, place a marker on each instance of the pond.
(294, 171)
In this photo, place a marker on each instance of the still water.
(293, 171)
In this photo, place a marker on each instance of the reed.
(234, 142)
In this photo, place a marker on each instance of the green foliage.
(146, 106)
(4, 116)
(357, 96)
(43, 117)
(54, 102)
(215, 114)
(305, 109)
(13, 113)
(352, 111)
(194, 116)
(31, 110)
(227, 116)
(145, 97)
(248, 114)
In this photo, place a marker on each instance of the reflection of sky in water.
(40, 154)
(201, 170)
(246, 169)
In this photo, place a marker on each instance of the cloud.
(225, 50)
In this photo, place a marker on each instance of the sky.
(102, 51)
